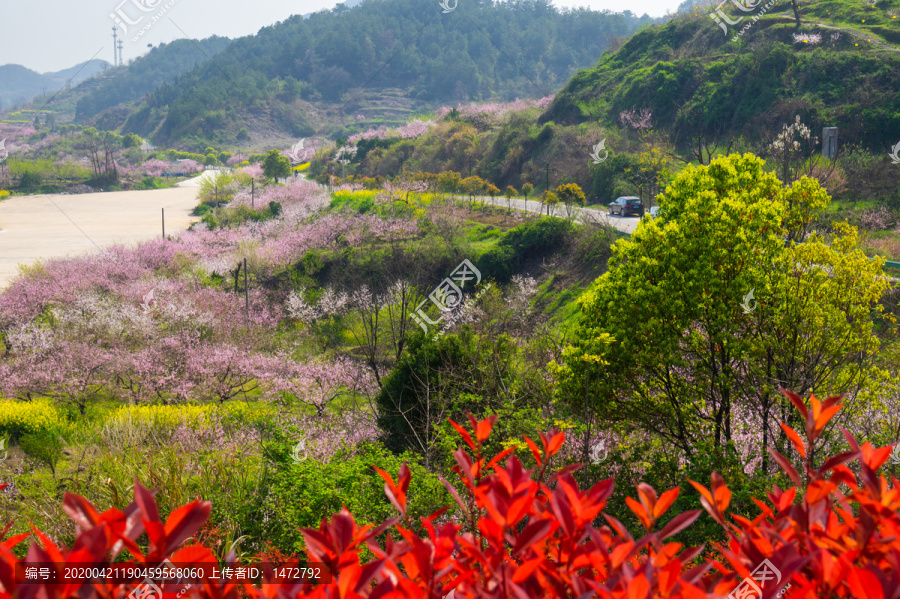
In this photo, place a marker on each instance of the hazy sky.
(51, 35)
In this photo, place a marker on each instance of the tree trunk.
(794, 5)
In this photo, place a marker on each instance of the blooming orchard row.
(167, 320)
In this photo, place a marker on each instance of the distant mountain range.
(19, 84)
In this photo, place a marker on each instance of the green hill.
(849, 78)
(699, 87)
(143, 75)
(481, 50)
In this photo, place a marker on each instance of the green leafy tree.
(131, 141)
(702, 318)
(510, 193)
(276, 166)
(444, 378)
(44, 446)
(549, 199)
(472, 186)
(527, 188)
(449, 181)
(492, 190)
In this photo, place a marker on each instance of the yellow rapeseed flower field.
(19, 418)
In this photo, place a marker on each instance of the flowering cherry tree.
(319, 382)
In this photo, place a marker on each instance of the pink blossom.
(635, 120)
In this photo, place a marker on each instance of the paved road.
(54, 225)
(626, 224)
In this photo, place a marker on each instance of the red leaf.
(785, 465)
(534, 450)
(455, 494)
(840, 458)
(665, 502)
(483, 428)
(795, 439)
(678, 523)
(462, 433)
(865, 584)
(396, 496)
(80, 510)
(531, 534)
(184, 522)
(798, 403)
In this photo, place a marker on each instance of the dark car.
(626, 205)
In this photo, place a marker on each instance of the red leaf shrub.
(521, 537)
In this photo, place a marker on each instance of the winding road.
(626, 224)
(41, 227)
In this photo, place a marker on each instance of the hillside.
(680, 93)
(143, 75)
(19, 84)
(841, 69)
(334, 60)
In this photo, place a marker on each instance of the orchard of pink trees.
(168, 320)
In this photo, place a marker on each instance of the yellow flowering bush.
(3, 194)
(19, 418)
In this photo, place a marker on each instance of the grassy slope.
(757, 82)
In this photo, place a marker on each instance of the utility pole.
(115, 45)
(164, 222)
(252, 189)
(246, 290)
(121, 60)
(547, 171)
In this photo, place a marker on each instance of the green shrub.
(30, 180)
(45, 446)
(593, 245)
(497, 263)
(304, 493)
(537, 238)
